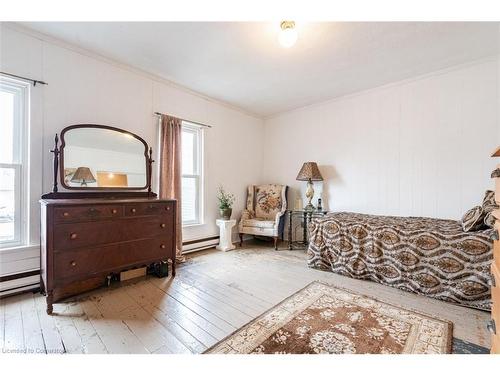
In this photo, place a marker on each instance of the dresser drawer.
(495, 282)
(76, 235)
(495, 307)
(495, 344)
(497, 190)
(496, 172)
(148, 209)
(85, 213)
(495, 292)
(496, 254)
(105, 259)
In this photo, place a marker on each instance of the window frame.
(20, 162)
(197, 174)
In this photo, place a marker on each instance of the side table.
(305, 216)
(226, 237)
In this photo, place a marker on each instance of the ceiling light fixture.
(288, 34)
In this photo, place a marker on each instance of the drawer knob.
(73, 263)
(162, 246)
(494, 236)
(491, 327)
(133, 210)
(93, 211)
(114, 211)
(66, 214)
(162, 225)
(73, 236)
(167, 208)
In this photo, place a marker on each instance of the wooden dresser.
(494, 324)
(85, 241)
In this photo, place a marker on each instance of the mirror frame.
(147, 158)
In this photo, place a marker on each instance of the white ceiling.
(243, 64)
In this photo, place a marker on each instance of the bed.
(431, 257)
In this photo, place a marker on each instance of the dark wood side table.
(305, 216)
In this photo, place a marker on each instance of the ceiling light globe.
(288, 34)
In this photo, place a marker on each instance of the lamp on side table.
(226, 238)
(309, 172)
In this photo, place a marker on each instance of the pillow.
(489, 205)
(473, 219)
(489, 220)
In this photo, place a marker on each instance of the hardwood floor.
(213, 294)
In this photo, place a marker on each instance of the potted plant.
(226, 201)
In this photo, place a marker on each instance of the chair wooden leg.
(276, 243)
(241, 239)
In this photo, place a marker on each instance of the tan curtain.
(170, 170)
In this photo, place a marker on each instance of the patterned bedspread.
(432, 257)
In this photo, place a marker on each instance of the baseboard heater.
(207, 243)
(199, 244)
(18, 283)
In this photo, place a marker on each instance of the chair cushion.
(268, 201)
(258, 223)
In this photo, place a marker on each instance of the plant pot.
(225, 213)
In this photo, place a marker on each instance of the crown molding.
(389, 85)
(132, 69)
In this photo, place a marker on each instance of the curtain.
(170, 171)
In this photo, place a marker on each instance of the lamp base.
(309, 196)
(309, 207)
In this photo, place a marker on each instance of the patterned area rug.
(323, 319)
(465, 347)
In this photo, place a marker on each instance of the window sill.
(192, 225)
(15, 249)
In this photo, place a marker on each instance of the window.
(14, 106)
(192, 146)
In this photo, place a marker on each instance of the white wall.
(85, 88)
(420, 147)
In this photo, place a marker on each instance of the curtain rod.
(192, 122)
(34, 81)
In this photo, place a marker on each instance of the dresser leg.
(173, 268)
(50, 301)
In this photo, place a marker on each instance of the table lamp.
(83, 175)
(309, 172)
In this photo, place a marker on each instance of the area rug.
(324, 319)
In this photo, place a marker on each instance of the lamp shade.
(309, 171)
(83, 174)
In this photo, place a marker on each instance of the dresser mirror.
(101, 161)
(98, 157)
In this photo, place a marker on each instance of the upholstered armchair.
(265, 212)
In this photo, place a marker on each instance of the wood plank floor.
(213, 294)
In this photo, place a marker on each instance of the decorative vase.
(225, 213)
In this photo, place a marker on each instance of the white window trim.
(21, 234)
(18, 222)
(199, 152)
